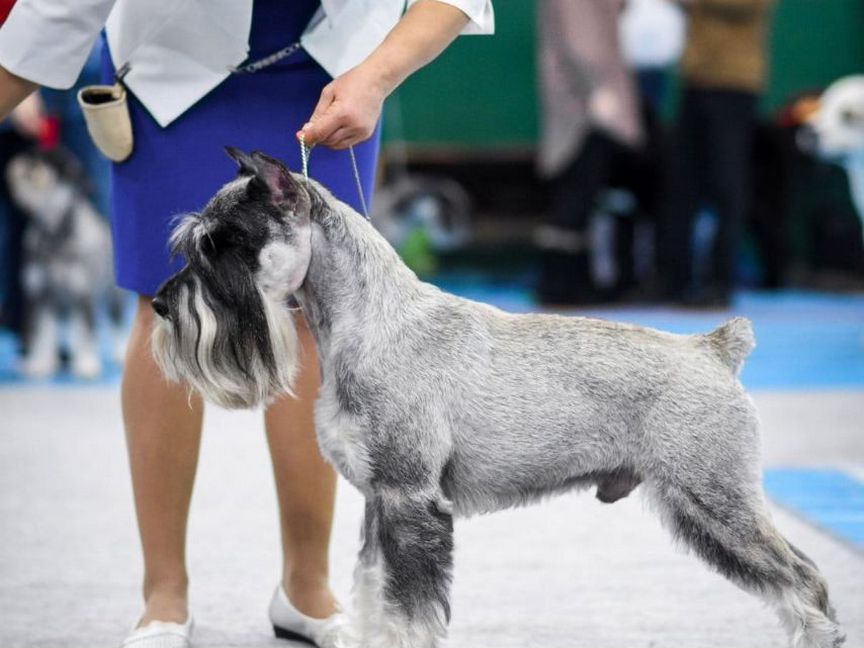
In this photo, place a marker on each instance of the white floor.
(571, 572)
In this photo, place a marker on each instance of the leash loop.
(304, 155)
(306, 151)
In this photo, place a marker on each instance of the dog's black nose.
(160, 307)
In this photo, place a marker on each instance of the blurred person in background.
(22, 131)
(590, 121)
(184, 105)
(16, 134)
(652, 38)
(723, 73)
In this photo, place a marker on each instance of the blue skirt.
(177, 169)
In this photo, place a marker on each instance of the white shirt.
(179, 50)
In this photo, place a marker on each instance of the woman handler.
(185, 104)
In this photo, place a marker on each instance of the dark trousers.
(575, 190)
(603, 162)
(713, 170)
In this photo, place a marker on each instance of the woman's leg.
(163, 434)
(306, 487)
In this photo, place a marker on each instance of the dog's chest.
(341, 439)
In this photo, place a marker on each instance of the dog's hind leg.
(728, 526)
(402, 579)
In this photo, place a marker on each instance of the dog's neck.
(355, 278)
(854, 164)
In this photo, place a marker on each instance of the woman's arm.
(46, 42)
(13, 90)
(351, 104)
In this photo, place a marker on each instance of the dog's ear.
(273, 180)
(245, 163)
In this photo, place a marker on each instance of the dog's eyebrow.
(182, 231)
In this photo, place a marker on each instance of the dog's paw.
(340, 634)
(41, 366)
(119, 350)
(86, 366)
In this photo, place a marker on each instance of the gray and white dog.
(67, 264)
(435, 406)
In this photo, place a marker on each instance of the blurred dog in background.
(838, 123)
(67, 264)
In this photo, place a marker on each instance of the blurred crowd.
(658, 165)
(691, 190)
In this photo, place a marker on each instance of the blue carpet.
(805, 340)
(830, 499)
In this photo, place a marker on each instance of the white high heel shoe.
(290, 623)
(161, 634)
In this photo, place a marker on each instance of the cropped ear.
(245, 163)
(273, 179)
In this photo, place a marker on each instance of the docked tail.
(732, 342)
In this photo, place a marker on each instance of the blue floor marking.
(804, 340)
(830, 499)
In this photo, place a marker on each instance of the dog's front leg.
(402, 579)
(42, 359)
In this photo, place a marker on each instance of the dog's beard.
(232, 368)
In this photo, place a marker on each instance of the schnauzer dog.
(435, 406)
(67, 264)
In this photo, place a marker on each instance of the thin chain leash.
(359, 183)
(304, 155)
(275, 57)
(306, 150)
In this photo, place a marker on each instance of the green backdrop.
(481, 93)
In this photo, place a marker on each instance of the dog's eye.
(850, 116)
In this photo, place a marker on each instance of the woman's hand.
(348, 110)
(350, 106)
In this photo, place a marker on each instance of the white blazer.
(179, 50)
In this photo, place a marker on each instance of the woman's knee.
(144, 310)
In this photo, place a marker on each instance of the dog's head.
(838, 121)
(224, 321)
(45, 184)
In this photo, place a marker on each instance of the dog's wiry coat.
(435, 406)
